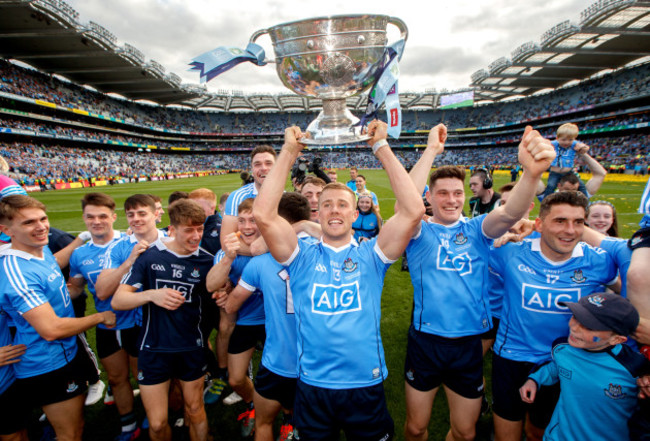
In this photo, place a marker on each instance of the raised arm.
(398, 230)
(535, 156)
(435, 146)
(218, 274)
(277, 232)
(598, 174)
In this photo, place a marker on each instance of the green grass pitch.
(102, 422)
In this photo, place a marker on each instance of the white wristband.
(379, 144)
(84, 236)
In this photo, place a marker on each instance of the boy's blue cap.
(605, 312)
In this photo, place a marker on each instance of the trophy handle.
(255, 36)
(404, 30)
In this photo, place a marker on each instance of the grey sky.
(448, 40)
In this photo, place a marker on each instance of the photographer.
(304, 166)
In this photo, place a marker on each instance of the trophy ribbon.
(217, 61)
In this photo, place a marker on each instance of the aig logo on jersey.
(448, 261)
(545, 299)
(335, 299)
(183, 288)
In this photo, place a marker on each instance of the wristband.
(379, 144)
(84, 236)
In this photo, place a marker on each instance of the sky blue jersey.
(622, 255)
(599, 392)
(564, 157)
(237, 197)
(449, 272)
(337, 302)
(531, 318)
(29, 282)
(252, 311)
(87, 262)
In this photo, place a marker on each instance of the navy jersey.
(366, 225)
(211, 240)
(337, 302)
(29, 282)
(7, 375)
(531, 317)
(252, 311)
(449, 272)
(237, 197)
(158, 267)
(87, 262)
(599, 392)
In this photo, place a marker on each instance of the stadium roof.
(47, 35)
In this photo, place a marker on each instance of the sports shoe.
(129, 436)
(95, 393)
(286, 433)
(109, 399)
(247, 422)
(212, 393)
(232, 399)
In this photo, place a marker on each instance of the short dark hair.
(186, 212)
(246, 205)
(294, 207)
(177, 195)
(11, 205)
(264, 148)
(572, 198)
(313, 180)
(139, 200)
(507, 187)
(99, 200)
(155, 197)
(447, 171)
(569, 178)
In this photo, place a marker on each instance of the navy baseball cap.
(605, 312)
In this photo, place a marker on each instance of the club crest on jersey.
(615, 392)
(140, 376)
(214, 233)
(72, 386)
(335, 299)
(349, 265)
(635, 241)
(578, 277)
(195, 273)
(596, 300)
(460, 239)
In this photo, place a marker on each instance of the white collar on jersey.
(536, 246)
(160, 244)
(6, 250)
(352, 243)
(460, 219)
(116, 235)
(161, 234)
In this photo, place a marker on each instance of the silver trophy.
(332, 58)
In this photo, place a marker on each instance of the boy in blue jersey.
(566, 147)
(52, 372)
(275, 383)
(448, 263)
(116, 347)
(538, 274)
(239, 331)
(596, 372)
(336, 287)
(171, 275)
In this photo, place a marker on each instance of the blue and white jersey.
(263, 273)
(599, 392)
(449, 272)
(622, 255)
(159, 267)
(337, 302)
(644, 205)
(238, 196)
(7, 375)
(366, 225)
(424, 193)
(564, 157)
(87, 262)
(252, 311)
(531, 318)
(29, 282)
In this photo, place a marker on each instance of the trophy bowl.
(332, 58)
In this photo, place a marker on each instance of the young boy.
(596, 371)
(566, 147)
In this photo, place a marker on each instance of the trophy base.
(335, 125)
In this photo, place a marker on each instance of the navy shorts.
(321, 414)
(507, 377)
(15, 411)
(275, 387)
(245, 337)
(158, 367)
(457, 363)
(58, 385)
(110, 341)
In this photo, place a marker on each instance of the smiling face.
(28, 230)
(99, 221)
(601, 217)
(447, 197)
(187, 237)
(590, 340)
(312, 193)
(261, 166)
(565, 141)
(361, 183)
(364, 204)
(247, 227)
(141, 220)
(561, 230)
(337, 212)
(159, 212)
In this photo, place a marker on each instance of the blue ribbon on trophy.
(385, 90)
(223, 58)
